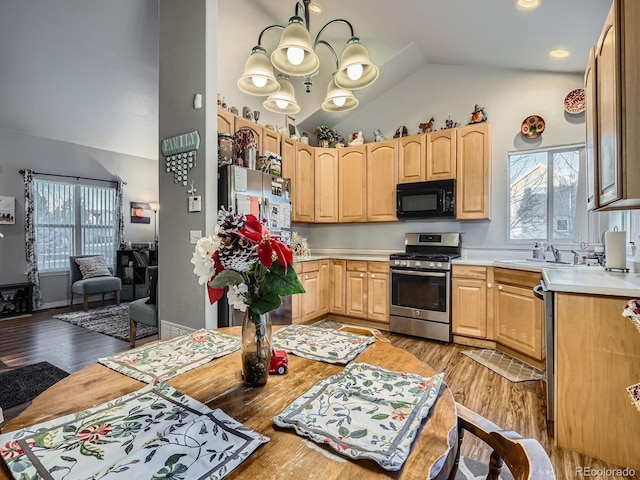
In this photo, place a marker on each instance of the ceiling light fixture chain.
(295, 56)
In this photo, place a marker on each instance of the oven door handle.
(419, 274)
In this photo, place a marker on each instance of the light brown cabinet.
(226, 122)
(473, 171)
(472, 301)
(519, 314)
(382, 177)
(412, 164)
(617, 99)
(303, 195)
(297, 299)
(441, 154)
(326, 185)
(590, 121)
(241, 122)
(288, 151)
(337, 289)
(368, 290)
(324, 276)
(352, 184)
(271, 142)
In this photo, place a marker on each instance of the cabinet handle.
(489, 285)
(306, 277)
(499, 287)
(373, 275)
(361, 275)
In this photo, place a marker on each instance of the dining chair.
(91, 283)
(145, 310)
(525, 457)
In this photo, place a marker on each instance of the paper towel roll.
(615, 250)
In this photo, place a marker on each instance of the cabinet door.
(326, 185)
(324, 280)
(338, 277)
(357, 289)
(378, 292)
(469, 307)
(473, 166)
(441, 154)
(519, 317)
(352, 181)
(310, 305)
(288, 149)
(591, 148)
(257, 130)
(303, 188)
(297, 299)
(270, 141)
(608, 112)
(382, 178)
(226, 122)
(412, 167)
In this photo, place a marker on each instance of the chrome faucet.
(576, 257)
(556, 253)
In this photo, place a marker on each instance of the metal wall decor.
(180, 155)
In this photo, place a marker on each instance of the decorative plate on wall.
(574, 101)
(532, 126)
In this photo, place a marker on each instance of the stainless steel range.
(421, 285)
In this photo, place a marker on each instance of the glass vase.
(256, 348)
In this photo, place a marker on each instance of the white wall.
(442, 91)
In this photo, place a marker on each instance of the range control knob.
(432, 264)
(403, 263)
(439, 265)
(418, 264)
(396, 262)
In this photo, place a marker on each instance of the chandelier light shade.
(296, 56)
(284, 100)
(338, 99)
(356, 68)
(258, 78)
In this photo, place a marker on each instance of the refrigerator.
(268, 197)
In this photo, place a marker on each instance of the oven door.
(422, 295)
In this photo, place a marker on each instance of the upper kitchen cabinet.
(326, 185)
(382, 177)
(617, 92)
(303, 184)
(352, 184)
(473, 169)
(271, 141)
(226, 122)
(412, 164)
(241, 122)
(441, 154)
(591, 152)
(288, 152)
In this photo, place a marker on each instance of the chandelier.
(295, 56)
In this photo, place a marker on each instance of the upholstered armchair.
(91, 277)
(145, 310)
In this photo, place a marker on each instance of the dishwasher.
(542, 292)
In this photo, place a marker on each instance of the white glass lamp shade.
(258, 78)
(284, 100)
(295, 44)
(338, 99)
(355, 58)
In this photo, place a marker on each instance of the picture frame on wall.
(140, 212)
(290, 124)
(7, 210)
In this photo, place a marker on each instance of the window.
(73, 219)
(543, 188)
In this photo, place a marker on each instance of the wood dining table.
(219, 384)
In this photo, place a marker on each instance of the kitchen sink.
(539, 263)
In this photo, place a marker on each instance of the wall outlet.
(195, 203)
(194, 236)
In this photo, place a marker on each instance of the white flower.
(203, 258)
(236, 296)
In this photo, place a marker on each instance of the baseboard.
(170, 329)
(77, 301)
(474, 342)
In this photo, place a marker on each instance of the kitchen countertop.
(366, 258)
(593, 280)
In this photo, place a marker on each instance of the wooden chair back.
(525, 457)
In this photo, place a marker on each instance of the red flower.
(215, 294)
(94, 432)
(256, 232)
(13, 449)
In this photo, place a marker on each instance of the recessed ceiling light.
(559, 53)
(528, 4)
(315, 8)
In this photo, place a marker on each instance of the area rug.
(23, 384)
(510, 368)
(112, 320)
(469, 469)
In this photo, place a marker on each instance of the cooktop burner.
(433, 257)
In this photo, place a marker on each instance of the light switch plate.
(195, 203)
(194, 236)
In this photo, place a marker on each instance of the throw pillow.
(153, 288)
(93, 267)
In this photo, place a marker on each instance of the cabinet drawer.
(378, 267)
(356, 266)
(469, 271)
(310, 266)
(517, 277)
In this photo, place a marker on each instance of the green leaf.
(173, 459)
(266, 303)
(283, 283)
(399, 404)
(387, 386)
(380, 416)
(343, 432)
(226, 278)
(358, 433)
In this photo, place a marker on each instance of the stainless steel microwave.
(434, 199)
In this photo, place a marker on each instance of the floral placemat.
(161, 361)
(156, 432)
(632, 311)
(365, 412)
(323, 344)
(634, 394)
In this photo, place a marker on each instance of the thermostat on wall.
(195, 203)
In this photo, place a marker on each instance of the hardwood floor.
(514, 406)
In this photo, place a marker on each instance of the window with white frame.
(543, 186)
(73, 219)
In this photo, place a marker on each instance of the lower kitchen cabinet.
(472, 301)
(324, 282)
(337, 296)
(519, 314)
(368, 290)
(296, 300)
